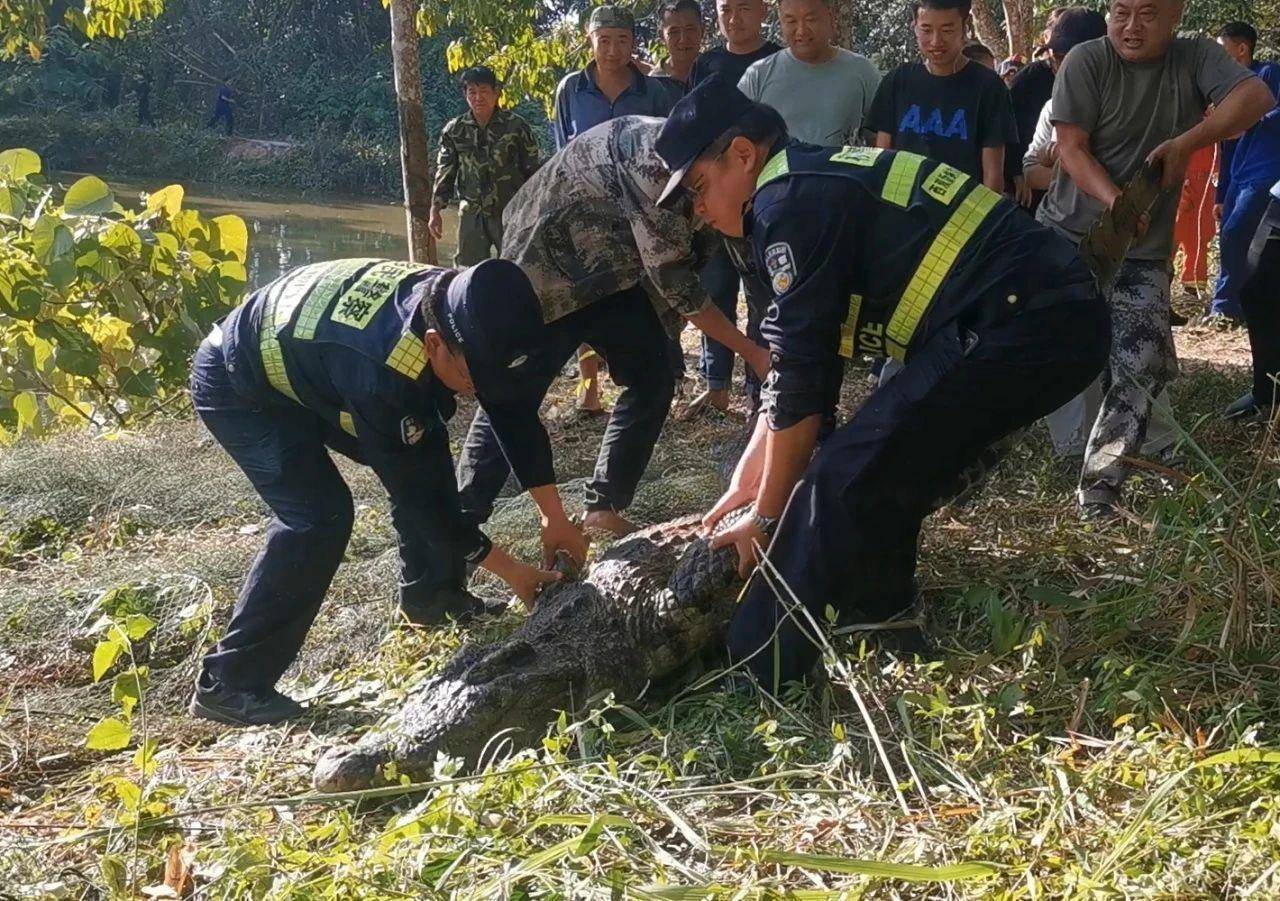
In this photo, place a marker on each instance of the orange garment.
(1196, 224)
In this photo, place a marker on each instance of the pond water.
(288, 229)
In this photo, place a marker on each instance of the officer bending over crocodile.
(996, 318)
(362, 357)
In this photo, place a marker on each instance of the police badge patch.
(781, 266)
(411, 431)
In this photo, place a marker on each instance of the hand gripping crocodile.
(652, 603)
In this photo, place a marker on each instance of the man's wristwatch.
(765, 524)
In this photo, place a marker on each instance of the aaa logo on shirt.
(915, 121)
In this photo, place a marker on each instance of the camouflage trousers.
(1143, 361)
(477, 233)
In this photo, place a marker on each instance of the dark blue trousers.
(849, 534)
(624, 329)
(1242, 211)
(721, 279)
(283, 449)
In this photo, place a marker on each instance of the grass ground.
(1096, 726)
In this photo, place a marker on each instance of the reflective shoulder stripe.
(361, 302)
(408, 357)
(944, 182)
(325, 290)
(850, 324)
(348, 424)
(901, 178)
(936, 265)
(277, 311)
(857, 156)
(775, 168)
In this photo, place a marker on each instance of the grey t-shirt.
(822, 103)
(1129, 109)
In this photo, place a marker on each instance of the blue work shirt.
(580, 104)
(1254, 157)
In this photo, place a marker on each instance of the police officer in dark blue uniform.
(363, 357)
(996, 318)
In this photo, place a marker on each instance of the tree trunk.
(988, 29)
(1019, 19)
(845, 21)
(414, 158)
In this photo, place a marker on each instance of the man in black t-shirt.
(947, 108)
(741, 23)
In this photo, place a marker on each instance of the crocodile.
(644, 610)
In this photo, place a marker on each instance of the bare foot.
(718, 400)
(608, 521)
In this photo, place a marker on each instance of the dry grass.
(1064, 743)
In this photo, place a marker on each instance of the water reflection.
(287, 230)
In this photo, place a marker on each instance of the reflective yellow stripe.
(775, 168)
(944, 183)
(348, 424)
(857, 156)
(901, 178)
(277, 311)
(360, 303)
(850, 324)
(325, 291)
(936, 265)
(408, 357)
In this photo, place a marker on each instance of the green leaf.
(167, 199)
(145, 757)
(129, 793)
(18, 163)
(75, 352)
(104, 656)
(138, 625)
(1049, 596)
(138, 384)
(28, 410)
(89, 196)
(122, 240)
(51, 240)
(131, 684)
(12, 202)
(1240, 755)
(201, 260)
(232, 235)
(109, 735)
(903, 872)
(41, 354)
(113, 873)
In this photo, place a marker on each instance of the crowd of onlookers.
(1060, 133)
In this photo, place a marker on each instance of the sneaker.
(456, 603)
(242, 708)
(1242, 409)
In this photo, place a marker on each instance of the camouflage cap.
(611, 17)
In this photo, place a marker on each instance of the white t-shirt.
(822, 103)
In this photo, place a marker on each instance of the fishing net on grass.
(161, 522)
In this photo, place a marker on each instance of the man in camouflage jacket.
(486, 154)
(616, 272)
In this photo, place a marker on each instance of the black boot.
(1242, 409)
(234, 707)
(445, 603)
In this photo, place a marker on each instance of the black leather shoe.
(446, 603)
(1242, 409)
(242, 708)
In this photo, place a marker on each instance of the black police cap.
(492, 311)
(701, 116)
